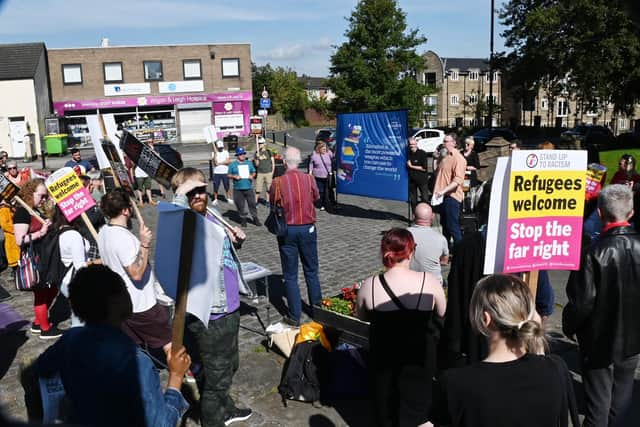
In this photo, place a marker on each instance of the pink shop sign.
(60, 107)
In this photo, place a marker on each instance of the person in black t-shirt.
(516, 384)
(418, 176)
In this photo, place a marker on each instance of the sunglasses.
(11, 167)
(197, 190)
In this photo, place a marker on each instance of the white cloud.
(297, 50)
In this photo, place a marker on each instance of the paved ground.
(348, 251)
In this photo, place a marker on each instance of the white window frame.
(560, 111)
(473, 99)
(230, 67)
(112, 72)
(453, 75)
(188, 69)
(495, 77)
(474, 75)
(623, 123)
(495, 99)
(72, 74)
(454, 99)
(544, 104)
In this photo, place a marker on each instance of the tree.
(375, 69)
(589, 49)
(285, 90)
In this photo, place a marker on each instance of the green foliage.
(375, 69)
(586, 48)
(322, 105)
(285, 90)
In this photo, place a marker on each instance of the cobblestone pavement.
(348, 251)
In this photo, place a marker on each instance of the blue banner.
(371, 152)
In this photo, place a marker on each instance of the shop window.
(230, 67)
(191, 69)
(112, 72)
(152, 70)
(72, 74)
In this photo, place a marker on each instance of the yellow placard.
(63, 183)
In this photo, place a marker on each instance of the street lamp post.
(491, 71)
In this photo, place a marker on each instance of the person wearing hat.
(265, 166)
(221, 160)
(242, 172)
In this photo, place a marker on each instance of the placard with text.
(69, 194)
(544, 210)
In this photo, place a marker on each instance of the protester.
(143, 184)
(14, 175)
(473, 161)
(503, 310)
(108, 380)
(265, 165)
(448, 186)
(417, 163)
(28, 229)
(321, 168)
(217, 343)
(221, 160)
(11, 249)
(515, 145)
(128, 255)
(96, 185)
(4, 157)
(432, 251)
(297, 192)
(152, 145)
(603, 311)
(401, 305)
(80, 166)
(242, 172)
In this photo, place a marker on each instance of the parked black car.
(590, 135)
(483, 136)
(328, 136)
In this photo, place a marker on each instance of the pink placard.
(547, 243)
(76, 203)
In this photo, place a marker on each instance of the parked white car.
(428, 139)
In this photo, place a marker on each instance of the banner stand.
(184, 275)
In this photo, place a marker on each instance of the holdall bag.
(27, 276)
(276, 221)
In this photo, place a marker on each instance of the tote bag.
(27, 276)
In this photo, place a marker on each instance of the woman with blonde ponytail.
(516, 384)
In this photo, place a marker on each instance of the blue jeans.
(300, 240)
(450, 219)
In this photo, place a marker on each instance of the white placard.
(127, 89)
(243, 171)
(181, 86)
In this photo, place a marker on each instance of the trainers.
(215, 202)
(321, 208)
(35, 329)
(51, 334)
(230, 201)
(291, 322)
(257, 222)
(238, 415)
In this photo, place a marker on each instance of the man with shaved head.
(432, 250)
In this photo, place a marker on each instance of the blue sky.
(292, 33)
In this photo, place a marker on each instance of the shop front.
(170, 118)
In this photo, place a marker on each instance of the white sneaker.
(215, 202)
(230, 201)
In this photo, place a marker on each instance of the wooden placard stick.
(531, 279)
(184, 275)
(29, 209)
(89, 225)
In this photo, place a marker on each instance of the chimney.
(104, 42)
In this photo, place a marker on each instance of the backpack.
(302, 372)
(50, 266)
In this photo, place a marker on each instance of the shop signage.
(535, 218)
(181, 86)
(127, 89)
(61, 106)
(69, 194)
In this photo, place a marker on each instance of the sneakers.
(230, 201)
(51, 334)
(321, 208)
(35, 329)
(291, 322)
(257, 222)
(238, 415)
(215, 202)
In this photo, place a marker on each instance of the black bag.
(276, 221)
(302, 372)
(50, 266)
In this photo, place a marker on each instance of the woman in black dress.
(401, 304)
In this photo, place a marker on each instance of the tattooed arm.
(137, 268)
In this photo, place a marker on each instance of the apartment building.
(166, 92)
(463, 87)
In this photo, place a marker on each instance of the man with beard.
(215, 346)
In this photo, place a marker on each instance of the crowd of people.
(465, 350)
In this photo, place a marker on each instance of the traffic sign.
(265, 103)
(262, 112)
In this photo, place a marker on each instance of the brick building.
(462, 91)
(169, 92)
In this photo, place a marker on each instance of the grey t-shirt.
(431, 246)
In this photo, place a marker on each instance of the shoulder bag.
(276, 222)
(27, 276)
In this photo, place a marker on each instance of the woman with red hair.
(401, 305)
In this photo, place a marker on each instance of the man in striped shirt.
(296, 191)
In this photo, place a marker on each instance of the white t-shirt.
(221, 156)
(73, 250)
(118, 249)
(139, 173)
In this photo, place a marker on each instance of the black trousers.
(245, 197)
(413, 193)
(608, 392)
